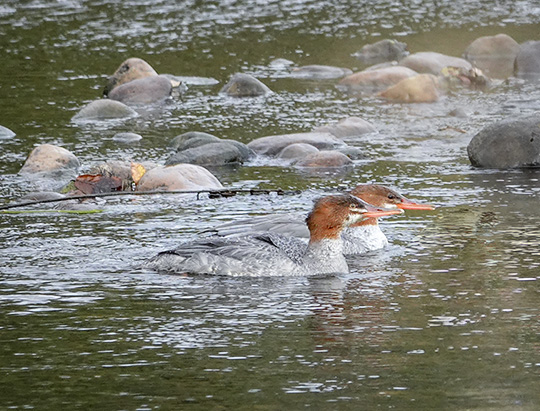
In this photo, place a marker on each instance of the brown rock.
(377, 79)
(324, 159)
(348, 127)
(131, 69)
(494, 55)
(423, 88)
(48, 158)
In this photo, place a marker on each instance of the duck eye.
(391, 196)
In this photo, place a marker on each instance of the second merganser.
(272, 254)
(358, 238)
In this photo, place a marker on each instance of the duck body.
(269, 254)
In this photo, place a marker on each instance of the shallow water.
(446, 317)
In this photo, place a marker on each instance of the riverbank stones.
(511, 143)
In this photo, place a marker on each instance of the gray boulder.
(527, 63)
(211, 154)
(384, 50)
(244, 85)
(148, 90)
(192, 139)
(104, 110)
(127, 137)
(513, 143)
(272, 145)
(206, 149)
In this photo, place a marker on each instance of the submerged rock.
(424, 88)
(527, 63)
(6, 132)
(318, 72)
(127, 137)
(244, 85)
(192, 139)
(432, 63)
(147, 90)
(348, 127)
(296, 151)
(384, 50)
(49, 158)
(132, 69)
(494, 55)
(178, 177)
(324, 159)
(104, 110)
(377, 79)
(512, 143)
(272, 145)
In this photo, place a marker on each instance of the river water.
(446, 317)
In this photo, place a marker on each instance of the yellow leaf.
(137, 171)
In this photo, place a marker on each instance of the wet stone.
(432, 63)
(244, 85)
(147, 90)
(319, 72)
(178, 177)
(6, 133)
(494, 55)
(348, 127)
(49, 158)
(511, 143)
(384, 50)
(528, 61)
(127, 137)
(132, 69)
(272, 145)
(104, 110)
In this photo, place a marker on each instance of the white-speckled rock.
(347, 127)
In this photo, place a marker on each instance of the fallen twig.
(214, 193)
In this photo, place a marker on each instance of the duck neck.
(325, 256)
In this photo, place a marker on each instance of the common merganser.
(358, 238)
(272, 254)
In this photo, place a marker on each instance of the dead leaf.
(137, 171)
(97, 183)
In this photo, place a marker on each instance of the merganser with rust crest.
(358, 238)
(270, 254)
